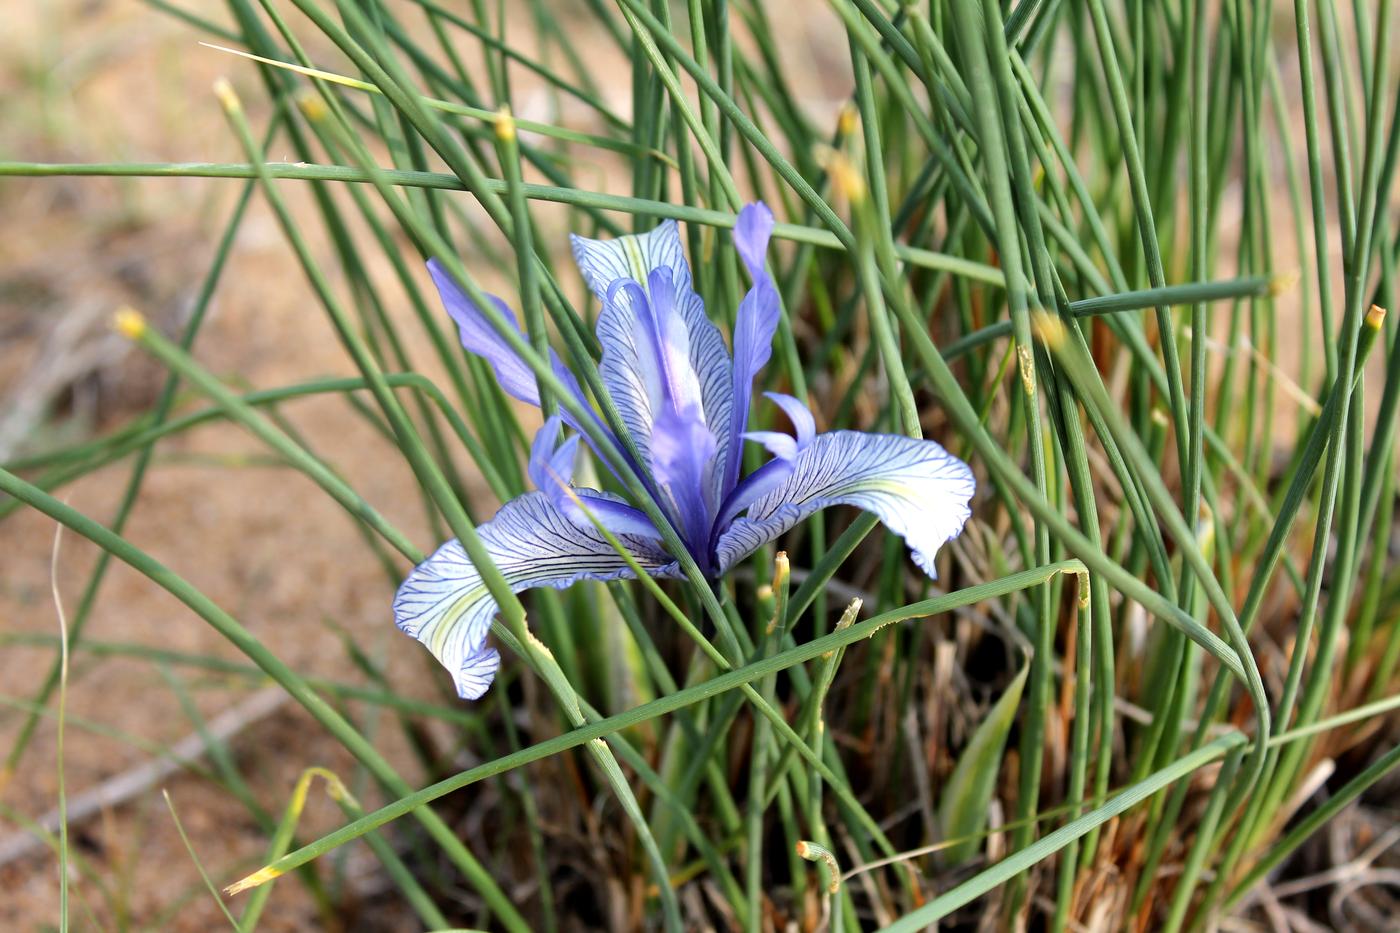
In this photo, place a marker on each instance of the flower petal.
(783, 446)
(552, 471)
(603, 262)
(754, 327)
(628, 332)
(446, 606)
(683, 455)
(478, 336)
(803, 424)
(918, 489)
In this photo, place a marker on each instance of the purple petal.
(446, 606)
(755, 486)
(803, 424)
(635, 326)
(754, 327)
(610, 511)
(683, 450)
(552, 470)
(551, 463)
(782, 446)
(915, 487)
(478, 336)
(751, 233)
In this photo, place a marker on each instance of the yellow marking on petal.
(130, 323)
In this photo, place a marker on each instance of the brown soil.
(98, 82)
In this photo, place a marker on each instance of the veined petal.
(603, 262)
(755, 486)
(754, 326)
(446, 606)
(626, 366)
(915, 487)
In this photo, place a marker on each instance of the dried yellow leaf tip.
(226, 95)
(781, 569)
(818, 853)
(260, 877)
(1283, 282)
(1375, 317)
(848, 180)
(505, 124)
(848, 120)
(312, 107)
(130, 323)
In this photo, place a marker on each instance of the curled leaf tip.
(818, 853)
(129, 322)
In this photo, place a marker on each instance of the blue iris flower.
(685, 402)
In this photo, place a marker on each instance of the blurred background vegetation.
(1207, 150)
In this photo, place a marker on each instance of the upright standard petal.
(628, 365)
(915, 487)
(446, 606)
(754, 327)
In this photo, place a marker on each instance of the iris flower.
(684, 399)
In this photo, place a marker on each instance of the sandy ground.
(103, 81)
(122, 82)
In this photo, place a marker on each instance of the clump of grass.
(1057, 237)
